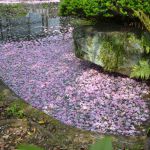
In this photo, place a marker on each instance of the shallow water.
(39, 20)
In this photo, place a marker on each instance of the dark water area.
(33, 21)
(39, 20)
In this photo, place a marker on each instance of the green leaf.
(103, 144)
(28, 147)
(147, 49)
(142, 70)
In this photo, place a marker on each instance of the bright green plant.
(16, 109)
(102, 7)
(142, 70)
(28, 147)
(103, 144)
(107, 8)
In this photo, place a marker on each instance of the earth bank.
(35, 127)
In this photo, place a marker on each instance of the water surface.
(39, 20)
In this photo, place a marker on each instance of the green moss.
(16, 109)
(112, 52)
(28, 147)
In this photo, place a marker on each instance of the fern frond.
(142, 70)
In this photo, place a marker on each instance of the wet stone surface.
(111, 46)
(46, 74)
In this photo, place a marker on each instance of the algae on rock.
(113, 49)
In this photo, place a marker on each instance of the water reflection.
(39, 21)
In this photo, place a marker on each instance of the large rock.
(113, 47)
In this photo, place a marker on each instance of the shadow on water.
(39, 20)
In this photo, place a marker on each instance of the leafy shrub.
(142, 70)
(145, 19)
(106, 8)
(133, 9)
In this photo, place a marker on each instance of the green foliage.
(12, 10)
(106, 8)
(16, 109)
(28, 147)
(142, 40)
(103, 144)
(112, 52)
(145, 19)
(142, 70)
(146, 42)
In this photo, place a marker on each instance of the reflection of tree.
(29, 28)
(15, 29)
(39, 17)
(44, 21)
(7, 33)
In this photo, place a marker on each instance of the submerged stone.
(113, 47)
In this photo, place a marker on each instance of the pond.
(33, 21)
(37, 62)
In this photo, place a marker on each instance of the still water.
(39, 20)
